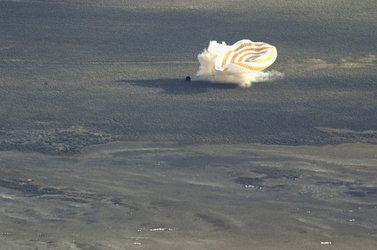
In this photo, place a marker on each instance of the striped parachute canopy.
(245, 56)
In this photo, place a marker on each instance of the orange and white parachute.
(241, 63)
(246, 55)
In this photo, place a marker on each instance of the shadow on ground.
(178, 86)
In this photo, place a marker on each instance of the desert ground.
(104, 145)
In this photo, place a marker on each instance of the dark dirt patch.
(278, 173)
(28, 188)
(216, 222)
(362, 191)
(52, 141)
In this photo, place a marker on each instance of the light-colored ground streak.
(246, 55)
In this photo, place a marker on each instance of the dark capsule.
(188, 78)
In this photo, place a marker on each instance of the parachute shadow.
(178, 86)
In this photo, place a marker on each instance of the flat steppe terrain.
(103, 145)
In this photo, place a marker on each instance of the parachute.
(246, 55)
(241, 63)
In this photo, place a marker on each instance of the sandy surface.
(103, 145)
